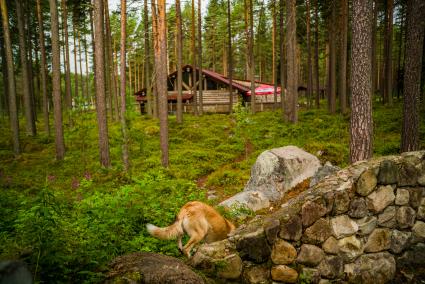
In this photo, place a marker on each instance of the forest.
(82, 170)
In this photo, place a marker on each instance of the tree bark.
(68, 95)
(179, 63)
(251, 54)
(194, 71)
(361, 127)
(343, 58)
(316, 53)
(412, 75)
(282, 54)
(200, 84)
(291, 100)
(374, 45)
(13, 109)
(161, 72)
(80, 62)
(148, 85)
(43, 69)
(309, 65)
(56, 81)
(388, 63)
(74, 36)
(29, 118)
(230, 57)
(125, 157)
(274, 53)
(332, 59)
(100, 83)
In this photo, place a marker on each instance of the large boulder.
(274, 173)
(145, 267)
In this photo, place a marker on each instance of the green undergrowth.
(67, 219)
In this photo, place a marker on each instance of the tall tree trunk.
(282, 54)
(291, 112)
(29, 118)
(148, 85)
(251, 54)
(309, 65)
(74, 36)
(5, 96)
(161, 72)
(86, 58)
(412, 74)
(194, 71)
(246, 21)
(68, 95)
(155, 43)
(56, 80)
(388, 82)
(230, 58)
(316, 53)
(374, 46)
(361, 128)
(93, 48)
(108, 90)
(100, 83)
(343, 58)
(13, 110)
(81, 67)
(43, 69)
(401, 40)
(125, 157)
(30, 62)
(179, 46)
(332, 59)
(274, 53)
(200, 85)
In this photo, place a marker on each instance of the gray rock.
(310, 255)
(381, 198)
(413, 262)
(14, 272)
(405, 217)
(366, 182)
(311, 212)
(379, 240)
(144, 267)
(421, 178)
(326, 170)
(387, 218)
(407, 174)
(366, 225)
(341, 203)
(253, 200)
(402, 196)
(283, 252)
(416, 194)
(331, 267)
(256, 274)
(291, 229)
(318, 232)
(350, 248)
(230, 267)
(358, 208)
(330, 246)
(399, 241)
(254, 246)
(387, 172)
(343, 226)
(284, 274)
(421, 210)
(271, 229)
(419, 231)
(371, 268)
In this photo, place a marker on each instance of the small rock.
(283, 252)
(331, 267)
(341, 203)
(416, 194)
(284, 274)
(381, 198)
(292, 229)
(366, 182)
(419, 231)
(405, 217)
(330, 246)
(230, 267)
(271, 229)
(343, 226)
(358, 208)
(413, 262)
(387, 218)
(254, 246)
(350, 248)
(399, 241)
(256, 274)
(318, 232)
(311, 212)
(407, 174)
(402, 197)
(366, 225)
(421, 210)
(379, 240)
(387, 172)
(310, 255)
(371, 268)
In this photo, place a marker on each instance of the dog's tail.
(167, 233)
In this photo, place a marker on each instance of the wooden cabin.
(215, 92)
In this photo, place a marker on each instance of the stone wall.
(364, 224)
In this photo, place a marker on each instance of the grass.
(67, 219)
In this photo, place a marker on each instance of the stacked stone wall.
(365, 224)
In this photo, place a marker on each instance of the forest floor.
(68, 219)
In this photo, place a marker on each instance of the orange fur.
(200, 221)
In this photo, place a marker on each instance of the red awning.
(264, 90)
